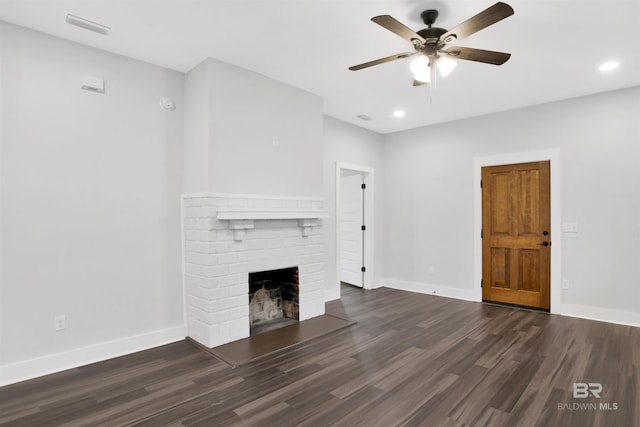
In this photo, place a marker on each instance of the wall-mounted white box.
(94, 84)
(569, 227)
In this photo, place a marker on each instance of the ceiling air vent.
(364, 117)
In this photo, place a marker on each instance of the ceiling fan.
(430, 43)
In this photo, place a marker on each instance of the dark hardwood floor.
(411, 360)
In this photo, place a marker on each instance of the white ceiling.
(556, 48)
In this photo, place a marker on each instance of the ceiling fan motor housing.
(432, 40)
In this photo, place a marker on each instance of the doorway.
(553, 155)
(354, 225)
(516, 234)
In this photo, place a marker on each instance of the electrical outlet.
(565, 284)
(275, 141)
(60, 322)
(432, 269)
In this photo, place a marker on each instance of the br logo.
(583, 390)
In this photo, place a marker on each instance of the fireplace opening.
(273, 299)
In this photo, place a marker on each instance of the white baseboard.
(620, 317)
(32, 368)
(430, 289)
(331, 295)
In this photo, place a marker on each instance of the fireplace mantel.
(241, 218)
(225, 213)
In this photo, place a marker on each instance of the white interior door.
(351, 234)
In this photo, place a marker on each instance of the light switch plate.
(569, 227)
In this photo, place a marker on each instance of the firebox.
(273, 299)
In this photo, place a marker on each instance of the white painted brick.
(198, 331)
(200, 303)
(228, 258)
(312, 277)
(208, 294)
(236, 329)
(311, 259)
(217, 266)
(317, 294)
(233, 302)
(207, 247)
(196, 224)
(311, 268)
(313, 249)
(201, 259)
(213, 336)
(200, 212)
(238, 246)
(257, 244)
(200, 236)
(238, 268)
(238, 203)
(273, 203)
(318, 285)
(234, 279)
(217, 271)
(196, 270)
(196, 201)
(219, 201)
(315, 239)
(224, 235)
(238, 290)
(214, 224)
(203, 282)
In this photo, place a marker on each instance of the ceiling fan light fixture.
(420, 66)
(445, 65)
(423, 78)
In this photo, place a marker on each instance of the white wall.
(347, 143)
(429, 191)
(196, 129)
(90, 205)
(246, 111)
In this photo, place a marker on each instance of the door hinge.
(363, 186)
(363, 269)
(480, 183)
(364, 227)
(481, 233)
(481, 283)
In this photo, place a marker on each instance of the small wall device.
(93, 84)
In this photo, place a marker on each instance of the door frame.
(553, 155)
(367, 177)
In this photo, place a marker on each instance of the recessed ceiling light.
(398, 113)
(87, 25)
(609, 66)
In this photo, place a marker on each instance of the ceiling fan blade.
(478, 55)
(395, 26)
(418, 82)
(381, 61)
(482, 20)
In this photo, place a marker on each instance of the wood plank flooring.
(411, 360)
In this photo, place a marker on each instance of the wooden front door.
(516, 244)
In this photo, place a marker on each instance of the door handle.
(545, 243)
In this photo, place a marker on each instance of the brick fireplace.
(227, 238)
